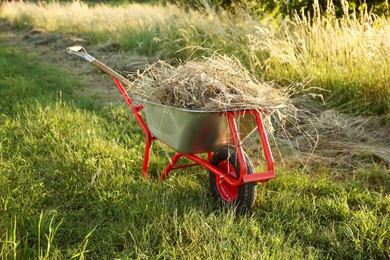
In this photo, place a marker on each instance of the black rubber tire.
(246, 192)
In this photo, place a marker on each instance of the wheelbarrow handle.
(82, 52)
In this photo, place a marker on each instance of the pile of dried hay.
(211, 83)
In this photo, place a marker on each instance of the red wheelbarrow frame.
(244, 177)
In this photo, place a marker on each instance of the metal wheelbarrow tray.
(192, 132)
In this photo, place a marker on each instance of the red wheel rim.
(227, 192)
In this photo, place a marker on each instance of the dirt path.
(50, 48)
(324, 136)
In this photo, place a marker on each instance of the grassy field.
(344, 59)
(72, 189)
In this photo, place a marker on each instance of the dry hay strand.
(209, 84)
(339, 139)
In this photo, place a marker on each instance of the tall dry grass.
(143, 28)
(348, 57)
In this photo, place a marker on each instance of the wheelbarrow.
(212, 139)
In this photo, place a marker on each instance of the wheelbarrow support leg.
(170, 166)
(264, 140)
(270, 174)
(149, 137)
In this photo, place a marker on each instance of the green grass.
(72, 188)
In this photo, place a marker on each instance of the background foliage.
(278, 7)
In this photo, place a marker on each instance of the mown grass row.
(348, 58)
(72, 188)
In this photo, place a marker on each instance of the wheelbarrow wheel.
(243, 196)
